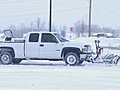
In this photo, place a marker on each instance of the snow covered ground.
(48, 75)
(104, 42)
(34, 75)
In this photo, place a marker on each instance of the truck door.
(49, 47)
(32, 48)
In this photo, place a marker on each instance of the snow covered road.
(46, 75)
(57, 76)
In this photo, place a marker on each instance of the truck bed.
(14, 40)
(17, 46)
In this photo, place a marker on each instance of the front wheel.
(71, 59)
(6, 57)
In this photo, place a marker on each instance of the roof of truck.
(41, 32)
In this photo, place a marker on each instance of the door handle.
(41, 45)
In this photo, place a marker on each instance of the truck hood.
(71, 44)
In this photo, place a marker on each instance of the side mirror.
(56, 41)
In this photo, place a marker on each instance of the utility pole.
(90, 9)
(50, 16)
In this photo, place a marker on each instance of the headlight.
(84, 49)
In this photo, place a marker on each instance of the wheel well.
(70, 49)
(8, 49)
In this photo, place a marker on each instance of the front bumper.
(84, 56)
(86, 52)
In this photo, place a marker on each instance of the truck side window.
(34, 37)
(46, 37)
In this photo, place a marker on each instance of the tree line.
(80, 28)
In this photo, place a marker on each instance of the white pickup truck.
(41, 45)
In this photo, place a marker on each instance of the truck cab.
(43, 44)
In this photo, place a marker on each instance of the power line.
(42, 13)
(24, 9)
(67, 10)
(19, 6)
(63, 2)
(21, 1)
(33, 8)
(113, 3)
(30, 9)
(107, 9)
(24, 15)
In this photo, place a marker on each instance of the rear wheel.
(16, 61)
(71, 59)
(6, 57)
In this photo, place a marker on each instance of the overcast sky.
(65, 12)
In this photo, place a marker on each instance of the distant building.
(107, 35)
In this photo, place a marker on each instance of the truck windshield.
(62, 39)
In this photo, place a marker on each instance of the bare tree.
(82, 28)
(38, 24)
(54, 28)
(77, 27)
(63, 31)
(31, 26)
(41, 25)
(23, 29)
(12, 27)
(15, 30)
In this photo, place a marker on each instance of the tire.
(16, 61)
(71, 59)
(6, 58)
